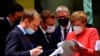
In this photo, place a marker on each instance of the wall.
(96, 14)
(53, 4)
(27, 4)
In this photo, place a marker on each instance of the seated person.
(85, 36)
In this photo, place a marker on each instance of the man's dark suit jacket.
(57, 33)
(5, 28)
(48, 48)
(17, 44)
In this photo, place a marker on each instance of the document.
(97, 46)
(64, 48)
(78, 44)
(57, 51)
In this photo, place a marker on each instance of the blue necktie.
(29, 40)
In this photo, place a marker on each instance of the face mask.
(30, 31)
(63, 21)
(50, 29)
(77, 29)
(17, 20)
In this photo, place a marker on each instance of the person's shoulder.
(92, 29)
(16, 30)
(15, 33)
(57, 27)
(2, 19)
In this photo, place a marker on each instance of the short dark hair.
(14, 7)
(46, 14)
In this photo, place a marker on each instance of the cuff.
(31, 52)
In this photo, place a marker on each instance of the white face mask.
(50, 29)
(77, 29)
(30, 31)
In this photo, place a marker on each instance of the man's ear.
(26, 21)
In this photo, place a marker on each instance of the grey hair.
(62, 8)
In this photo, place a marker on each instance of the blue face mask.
(30, 31)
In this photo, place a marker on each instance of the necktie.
(48, 37)
(65, 33)
(29, 40)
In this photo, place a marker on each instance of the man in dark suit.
(62, 15)
(15, 11)
(18, 41)
(44, 33)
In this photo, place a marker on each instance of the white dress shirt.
(69, 29)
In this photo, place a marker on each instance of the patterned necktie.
(48, 37)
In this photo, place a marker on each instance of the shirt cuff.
(31, 52)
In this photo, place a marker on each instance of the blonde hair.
(30, 14)
(78, 15)
(62, 8)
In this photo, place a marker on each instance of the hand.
(82, 49)
(73, 48)
(78, 49)
(36, 51)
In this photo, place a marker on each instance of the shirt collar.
(9, 21)
(42, 30)
(22, 29)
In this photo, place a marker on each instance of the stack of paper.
(64, 48)
(97, 46)
(57, 51)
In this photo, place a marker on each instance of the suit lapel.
(23, 39)
(43, 37)
(59, 32)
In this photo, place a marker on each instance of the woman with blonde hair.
(87, 37)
